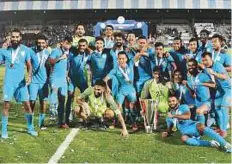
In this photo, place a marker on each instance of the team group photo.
(115, 81)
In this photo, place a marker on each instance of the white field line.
(60, 151)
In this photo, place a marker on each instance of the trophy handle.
(155, 120)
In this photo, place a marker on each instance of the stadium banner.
(13, 5)
(124, 25)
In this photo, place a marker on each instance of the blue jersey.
(15, 72)
(100, 64)
(109, 43)
(145, 66)
(202, 92)
(222, 58)
(183, 93)
(38, 61)
(59, 69)
(164, 63)
(114, 54)
(180, 61)
(123, 81)
(182, 109)
(78, 66)
(196, 55)
(208, 47)
(222, 85)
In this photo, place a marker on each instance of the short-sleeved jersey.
(100, 64)
(183, 93)
(202, 92)
(79, 67)
(182, 109)
(109, 43)
(38, 61)
(222, 85)
(117, 72)
(164, 63)
(196, 55)
(181, 124)
(208, 47)
(222, 58)
(144, 66)
(59, 70)
(180, 61)
(15, 72)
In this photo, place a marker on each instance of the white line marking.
(60, 151)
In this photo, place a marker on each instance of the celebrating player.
(58, 79)
(223, 91)
(191, 131)
(125, 74)
(39, 83)
(15, 84)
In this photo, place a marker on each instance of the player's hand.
(164, 134)
(124, 133)
(201, 66)
(28, 80)
(184, 82)
(89, 49)
(166, 54)
(105, 79)
(170, 115)
(64, 56)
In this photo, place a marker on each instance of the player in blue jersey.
(15, 85)
(191, 131)
(194, 52)
(118, 47)
(79, 73)
(101, 63)
(143, 63)
(58, 78)
(131, 41)
(166, 63)
(125, 75)
(109, 38)
(205, 44)
(223, 90)
(178, 54)
(180, 88)
(39, 83)
(199, 84)
(219, 55)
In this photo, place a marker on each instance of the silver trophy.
(149, 112)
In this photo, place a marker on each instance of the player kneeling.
(98, 98)
(179, 117)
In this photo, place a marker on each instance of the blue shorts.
(38, 89)
(140, 84)
(59, 86)
(18, 90)
(190, 129)
(128, 92)
(223, 99)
